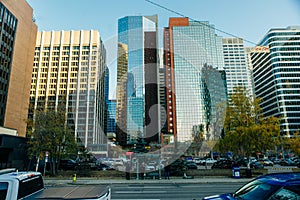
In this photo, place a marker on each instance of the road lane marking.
(139, 192)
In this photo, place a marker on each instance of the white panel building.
(69, 70)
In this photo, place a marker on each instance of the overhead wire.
(182, 15)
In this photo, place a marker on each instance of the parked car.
(103, 166)
(177, 167)
(118, 162)
(270, 186)
(243, 162)
(150, 168)
(191, 165)
(267, 162)
(210, 161)
(296, 160)
(287, 162)
(15, 185)
(275, 161)
(199, 161)
(68, 164)
(222, 164)
(256, 165)
(202, 161)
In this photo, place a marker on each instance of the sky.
(247, 19)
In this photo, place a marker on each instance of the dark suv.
(222, 164)
(68, 164)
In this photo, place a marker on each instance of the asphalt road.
(172, 191)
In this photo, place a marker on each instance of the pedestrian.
(142, 170)
(167, 170)
(128, 170)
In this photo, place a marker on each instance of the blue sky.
(247, 19)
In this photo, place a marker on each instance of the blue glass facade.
(132, 34)
(111, 117)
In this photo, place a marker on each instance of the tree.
(48, 133)
(247, 131)
(293, 143)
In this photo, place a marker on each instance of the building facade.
(137, 79)
(69, 71)
(17, 41)
(110, 110)
(195, 79)
(276, 72)
(111, 119)
(238, 73)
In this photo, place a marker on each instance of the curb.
(91, 181)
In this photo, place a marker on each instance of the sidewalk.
(93, 181)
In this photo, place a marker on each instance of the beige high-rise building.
(69, 70)
(17, 41)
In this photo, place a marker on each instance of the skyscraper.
(17, 41)
(69, 70)
(276, 72)
(237, 70)
(137, 79)
(110, 110)
(195, 79)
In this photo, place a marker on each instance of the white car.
(210, 161)
(149, 168)
(199, 161)
(118, 162)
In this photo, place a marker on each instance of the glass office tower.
(195, 79)
(137, 90)
(276, 72)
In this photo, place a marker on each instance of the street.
(181, 191)
(175, 188)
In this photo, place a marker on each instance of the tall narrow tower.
(237, 70)
(137, 79)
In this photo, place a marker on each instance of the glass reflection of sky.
(131, 32)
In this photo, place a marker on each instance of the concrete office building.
(250, 67)
(276, 72)
(17, 41)
(69, 70)
(237, 70)
(195, 79)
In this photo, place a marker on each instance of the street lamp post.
(137, 168)
(160, 164)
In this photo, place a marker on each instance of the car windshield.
(256, 189)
